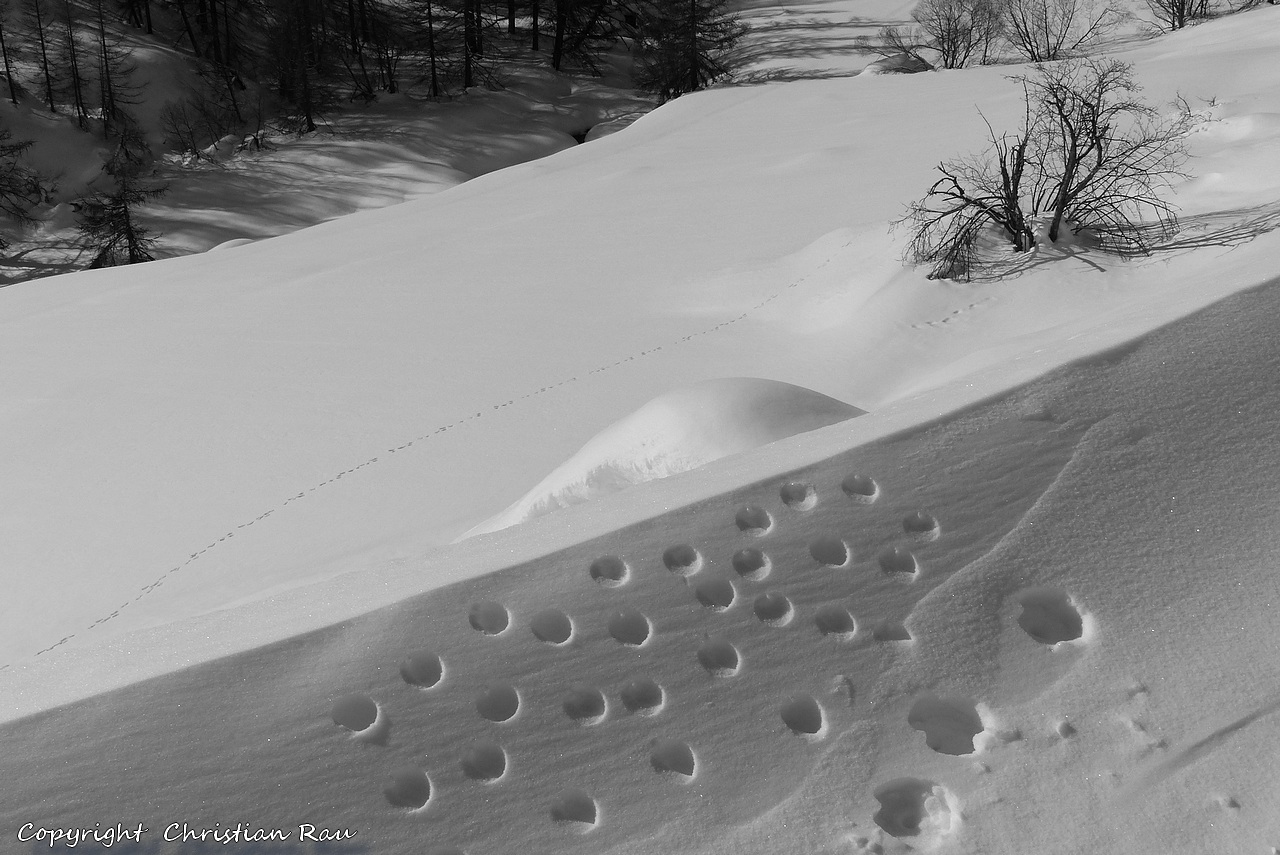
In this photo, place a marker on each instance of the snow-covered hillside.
(1022, 605)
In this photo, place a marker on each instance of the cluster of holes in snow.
(422, 668)
(356, 713)
(751, 564)
(716, 594)
(798, 495)
(898, 560)
(551, 626)
(490, 618)
(774, 609)
(586, 705)
(484, 761)
(674, 756)
(630, 627)
(949, 724)
(753, 520)
(498, 703)
(682, 559)
(803, 716)
(644, 696)
(906, 804)
(921, 525)
(835, 620)
(1049, 616)
(860, 488)
(610, 571)
(576, 808)
(409, 788)
(719, 657)
(829, 551)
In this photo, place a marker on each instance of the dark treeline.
(283, 64)
(299, 58)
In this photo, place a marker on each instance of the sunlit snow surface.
(676, 432)
(1025, 604)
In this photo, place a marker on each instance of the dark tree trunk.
(8, 70)
(73, 63)
(557, 43)
(44, 54)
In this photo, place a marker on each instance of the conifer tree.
(684, 43)
(20, 186)
(108, 220)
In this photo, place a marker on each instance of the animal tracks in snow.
(573, 699)
(458, 422)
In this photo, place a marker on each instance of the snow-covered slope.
(976, 636)
(677, 431)
(219, 426)
(1022, 605)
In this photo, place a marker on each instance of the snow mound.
(675, 432)
(899, 63)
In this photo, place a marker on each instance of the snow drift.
(675, 432)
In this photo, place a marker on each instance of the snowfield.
(1023, 602)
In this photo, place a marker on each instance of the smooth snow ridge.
(676, 432)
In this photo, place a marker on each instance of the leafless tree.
(1103, 155)
(1049, 30)
(1176, 14)
(1090, 155)
(974, 194)
(956, 32)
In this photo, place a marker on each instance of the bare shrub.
(1090, 155)
(1050, 30)
(957, 32)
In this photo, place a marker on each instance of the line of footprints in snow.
(949, 724)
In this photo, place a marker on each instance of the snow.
(676, 432)
(1024, 604)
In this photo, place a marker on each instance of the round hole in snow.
(829, 551)
(774, 609)
(408, 788)
(719, 657)
(1049, 616)
(552, 626)
(832, 619)
(799, 496)
(753, 520)
(717, 594)
(484, 761)
(422, 668)
(921, 524)
(751, 564)
(860, 488)
(949, 724)
(897, 560)
(630, 627)
(643, 696)
(490, 618)
(575, 807)
(355, 712)
(610, 571)
(672, 755)
(586, 705)
(498, 703)
(682, 559)
(802, 714)
(907, 803)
